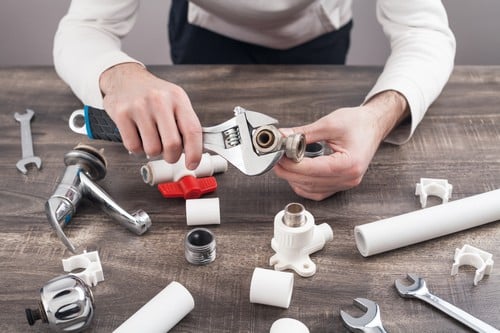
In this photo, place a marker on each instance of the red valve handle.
(188, 187)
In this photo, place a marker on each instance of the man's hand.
(152, 115)
(354, 135)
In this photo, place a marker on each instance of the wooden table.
(459, 140)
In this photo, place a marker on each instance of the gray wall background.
(27, 28)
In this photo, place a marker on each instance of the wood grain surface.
(459, 140)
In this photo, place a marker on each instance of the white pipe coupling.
(295, 238)
(288, 325)
(271, 287)
(160, 171)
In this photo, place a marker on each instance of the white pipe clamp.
(431, 186)
(295, 238)
(472, 256)
(91, 265)
(271, 287)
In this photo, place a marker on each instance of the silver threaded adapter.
(294, 215)
(199, 246)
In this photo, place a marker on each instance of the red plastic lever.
(188, 187)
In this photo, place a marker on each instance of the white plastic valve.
(295, 238)
(160, 171)
(472, 256)
(91, 265)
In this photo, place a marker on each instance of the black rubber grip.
(101, 125)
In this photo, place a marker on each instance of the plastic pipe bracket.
(431, 186)
(472, 256)
(91, 265)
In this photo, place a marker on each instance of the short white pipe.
(160, 171)
(288, 325)
(271, 287)
(421, 225)
(202, 211)
(162, 312)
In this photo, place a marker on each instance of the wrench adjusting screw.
(199, 247)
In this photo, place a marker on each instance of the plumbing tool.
(84, 165)
(66, 304)
(369, 322)
(418, 289)
(26, 142)
(250, 140)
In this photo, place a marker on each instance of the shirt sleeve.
(421, 59)
(88, 41)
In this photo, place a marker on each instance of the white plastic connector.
(472, 256)
(160, 171)
(202, 211)
(288, 325)
(90, 262)
(295, 238)
(430, 186)
(271, 287)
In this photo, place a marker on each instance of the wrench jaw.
(21, 164)
(417, 288)
(233, 141)
(370, 321)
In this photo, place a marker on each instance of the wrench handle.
(99, 125)
(457, 313)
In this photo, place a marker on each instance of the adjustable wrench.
(250, 140)
(369, 322)
(419, 290)
(26, 142)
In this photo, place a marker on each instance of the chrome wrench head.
(251, 142)
(418, 286)
(370, 321)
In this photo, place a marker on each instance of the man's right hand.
(153, 116)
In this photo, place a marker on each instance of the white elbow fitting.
(295, 238)
(160, 171)
(162, 312)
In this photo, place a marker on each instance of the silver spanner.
(419, 290)
(250, 140)
(26, 142)
(369, 322)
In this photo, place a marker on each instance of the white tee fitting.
(271, 287)
(160, 171)
(288, 325)
(162, 312)
(295, 238)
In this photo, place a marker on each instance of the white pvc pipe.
(428, 223)
(160, 171)
(162, 312)
(271, 287)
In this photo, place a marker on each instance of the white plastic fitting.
(160, 171)
(295, 238)
(271, 287)
(470, 255)
(162, 312)
(91, 265)
(202, 211)
(436, 187)
(288, 325)
(424, 224)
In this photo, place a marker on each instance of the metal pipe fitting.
(84, 165)
(294, 215)
(200, 246)
(267, 139)
(314, 149)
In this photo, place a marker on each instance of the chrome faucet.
(84, 165)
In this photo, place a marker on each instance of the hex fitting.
(267, 139)
(199, 246)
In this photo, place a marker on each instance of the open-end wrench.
(369, 322)
(26, 142)
(419, 290)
